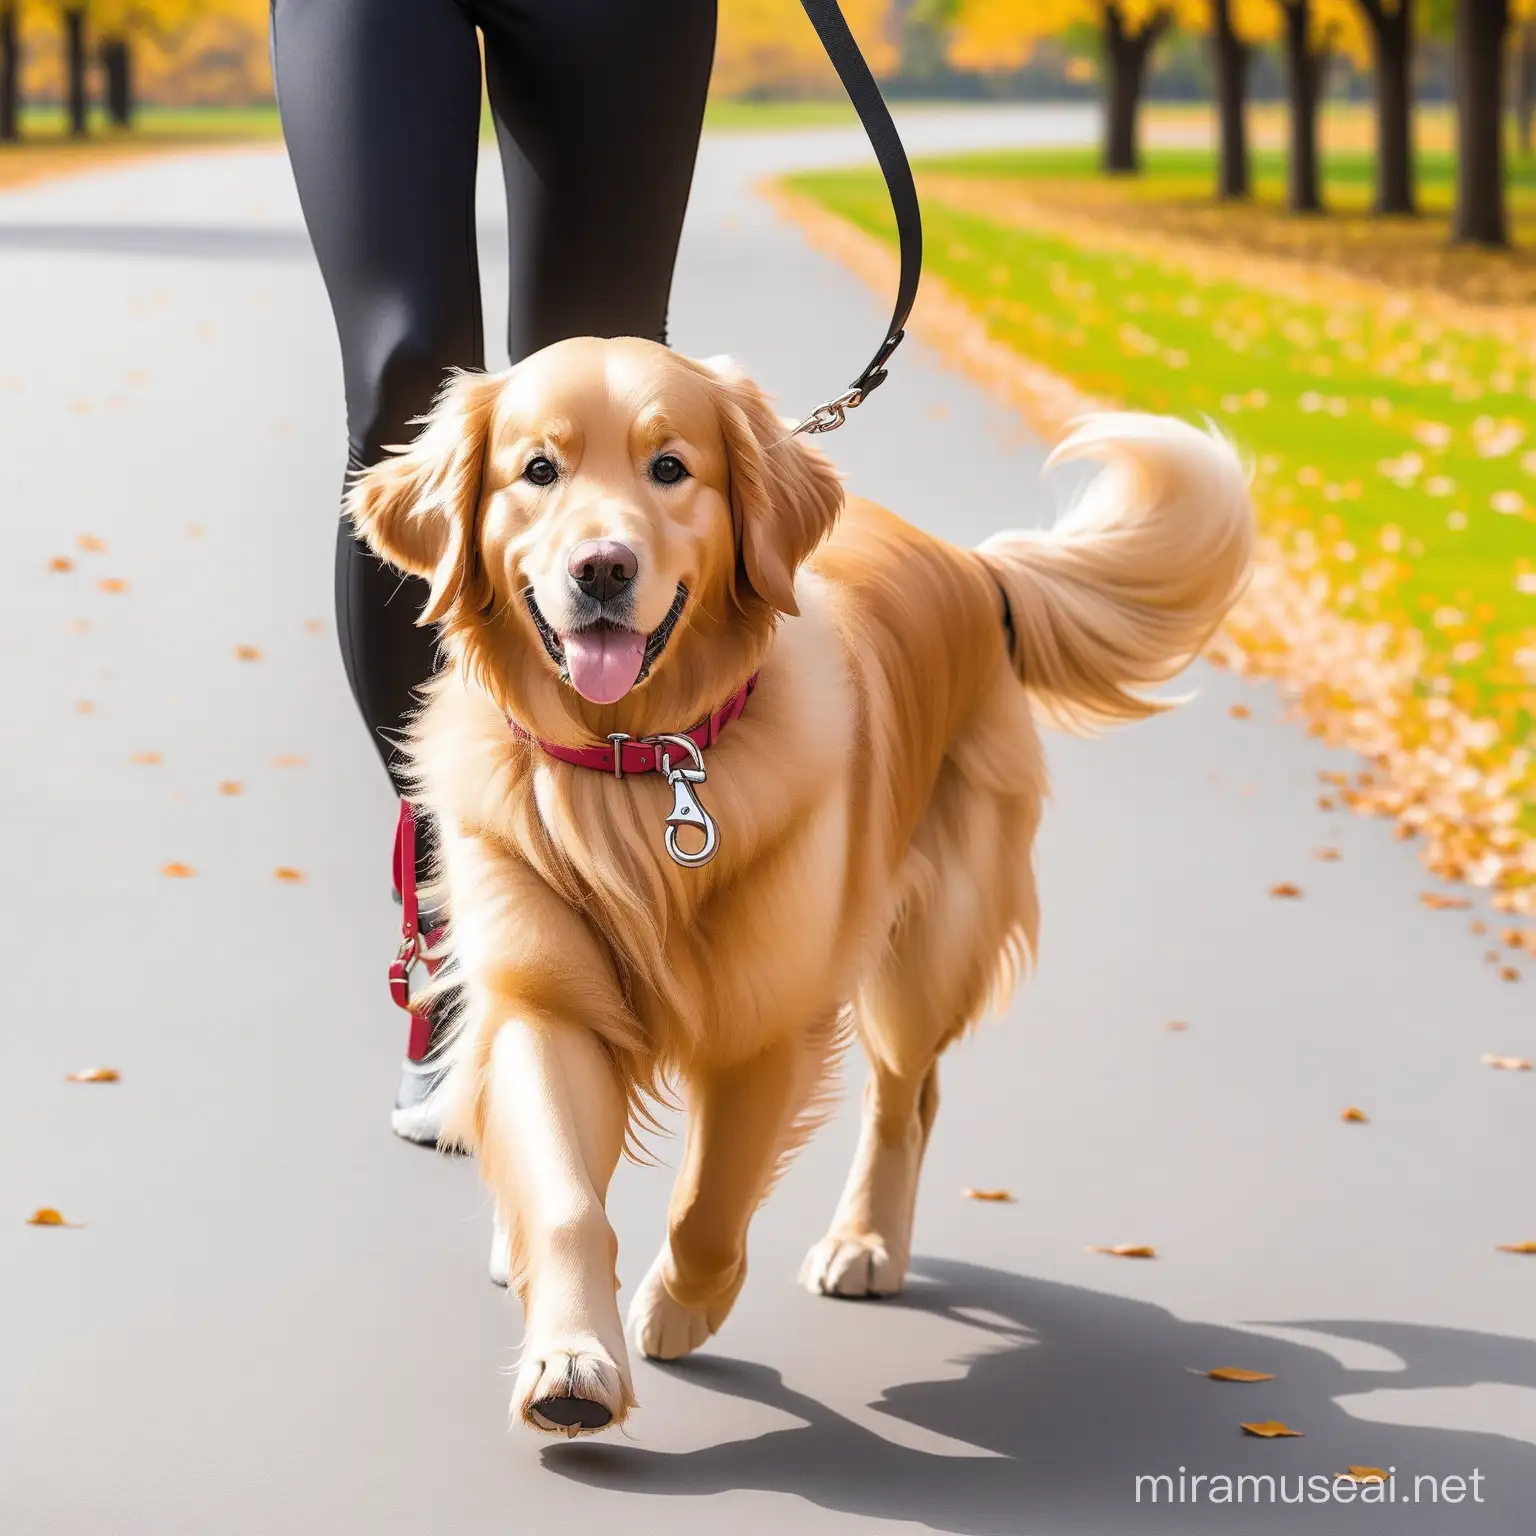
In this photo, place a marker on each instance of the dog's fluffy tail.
(1129, 585)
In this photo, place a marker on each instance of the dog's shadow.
(1086, 1393)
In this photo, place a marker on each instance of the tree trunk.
(1125, 54)
(1392, 47)
(1480, 212)
(74, 70)
(1229, 63)
(1303, 188)
(1525, 85)
(117, 68)
(10, 75)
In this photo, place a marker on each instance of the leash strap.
(859, 83)
(411, 936)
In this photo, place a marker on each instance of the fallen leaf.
(1240, 712)
(93, 1075)
(231, 787)
(288, 761)
(315, 626)
(61, 563)
(178, 871)
(1353, 1116)
(1271, 1429)
(1437, 901)
(1365, 1474)
(1325, 803)
(112, 584)
(84, 707)
(1233, 1373)
(1286, 889)
(46, 1216)
(1327, 855)
(1509, 973)
(290, 876)
(998, 1196)
(1508, 1063)
(1178, 1026)
(145, 759)
(247, 653)
(1479, 926)
(1517, 1247)
(1126, 1251)
(78, 626)
(90, 543)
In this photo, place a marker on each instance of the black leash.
(867, 101)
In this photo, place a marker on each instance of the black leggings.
(597, 105)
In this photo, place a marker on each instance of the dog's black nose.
(603, 568)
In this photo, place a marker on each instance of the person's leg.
(380, 104)
(598, 107)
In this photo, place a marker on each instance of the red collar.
(643, 755)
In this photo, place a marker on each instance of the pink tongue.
(603, 663)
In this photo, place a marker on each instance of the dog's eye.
(541, 471)
(668, 470)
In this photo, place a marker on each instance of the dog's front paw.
(852, 1264)
(663, 1328)
(571, 1390)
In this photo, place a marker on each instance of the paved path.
(276, 1318)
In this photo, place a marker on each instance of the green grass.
(201, 124)
(1323, 396)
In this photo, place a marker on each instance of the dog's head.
(610, 530)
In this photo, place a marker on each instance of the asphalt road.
(276, 1318)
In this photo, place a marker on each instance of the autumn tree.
(1232, 28)
(1525, 84)
(1128, 30)
(1310, 32)
(73, 13)
(1390, 24)
(767, 47)
(10, 71)
(1481, 28)
(119, 23)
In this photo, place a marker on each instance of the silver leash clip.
(686, 810)
(829, 417)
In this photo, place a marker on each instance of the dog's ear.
(785, 494)
(416, 509)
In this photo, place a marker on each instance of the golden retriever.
(617, 538)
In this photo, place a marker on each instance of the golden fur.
(877, 803)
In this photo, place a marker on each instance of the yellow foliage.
(1001, 34)
(769, 45)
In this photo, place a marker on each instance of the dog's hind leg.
(555, 1114)
(967, 910)
(742, 1121)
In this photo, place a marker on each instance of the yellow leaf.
(1271, 1429)
(46, 1216)
(1327, 855)
(145, 759)
(1508, 1063)
(290, 876)
(231, 787)
(247, 653)
(288, 761)
(1354, 1116)
(1240, 712)
(1436, 901)
(315, 626)
(1126, 1251)
(1517, 1247)
(1366, 1474)
(1286, 890)
(84, 707)
(1234, 1373)
(112, 584)
(91, 544)
(94, 1075)
(998, 1196)
(61, 563)
(1509, 973)
(178, 871)
(1178, 1026)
